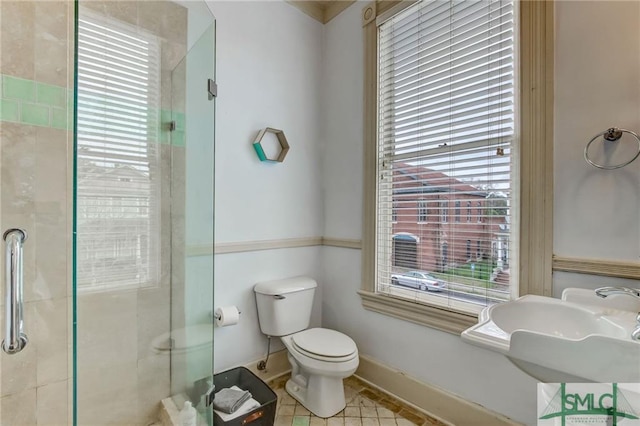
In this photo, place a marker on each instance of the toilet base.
(322, 395)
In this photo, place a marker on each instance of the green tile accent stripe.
(59, 118)
(37, 115)
(34, 103)
(9, 110)
(51, 95)
(18, 88)
(39, 104)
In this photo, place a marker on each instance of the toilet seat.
(324, 345)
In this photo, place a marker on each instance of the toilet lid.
(324, 342)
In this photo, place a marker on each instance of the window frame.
(533, 171)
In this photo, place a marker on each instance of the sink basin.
(572, 340)
(553, 318)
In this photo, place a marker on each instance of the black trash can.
(243, 378)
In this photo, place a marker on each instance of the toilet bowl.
(320, 358)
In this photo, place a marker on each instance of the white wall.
(268, 72)
(596, 212)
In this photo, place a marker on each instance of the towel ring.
(612, 135)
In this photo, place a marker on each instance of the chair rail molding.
(603, 267)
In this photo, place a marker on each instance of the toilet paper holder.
(216, 316)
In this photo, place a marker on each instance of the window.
(444, 211)
(479, 211)
(423, 212)
(440, 96)
(468, 249)
(117, 162)
(394, 211)
(446, 89)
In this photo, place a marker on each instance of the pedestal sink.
(579, 338)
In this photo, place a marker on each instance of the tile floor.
(365, 407)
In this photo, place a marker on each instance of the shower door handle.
(14, 338)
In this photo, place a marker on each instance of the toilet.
(320, 358)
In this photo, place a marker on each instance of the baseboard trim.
(430, 399)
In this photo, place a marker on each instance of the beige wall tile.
(153, 385)
(53, 18)
(51, 280)
(18, 167)
(53, 21)
(52, 64)
(165, 19)
(173, 23)
(153, 319)
(51, 165)
(52, 404)
(107, 331)
(125, 11)
(108, 393)
(172, 54)
(19, 409)
(51, 330)
(17, 41)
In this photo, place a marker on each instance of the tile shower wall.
(35, 166)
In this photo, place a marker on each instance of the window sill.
(454, 322)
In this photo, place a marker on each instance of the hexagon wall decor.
(282, 140)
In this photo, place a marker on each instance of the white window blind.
(446, 122)
(117, 162)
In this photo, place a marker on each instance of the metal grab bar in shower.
(14, 338)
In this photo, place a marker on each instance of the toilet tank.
(284, 306)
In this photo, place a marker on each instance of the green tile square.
(300, 421)
(51, 95)
(9, 110)
(178, 138)
(18, 88)
(59, 118)
(180, 119)
(37, 115)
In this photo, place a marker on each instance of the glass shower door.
(192, 144)
(143, 277)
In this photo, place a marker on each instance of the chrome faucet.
(608, 291)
